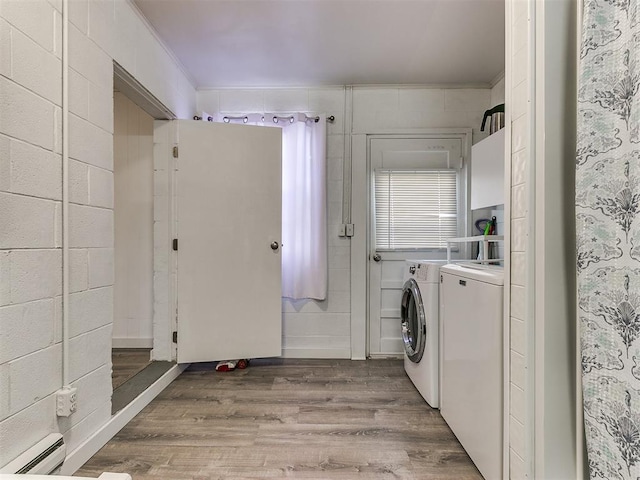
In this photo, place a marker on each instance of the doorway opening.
(133, 369)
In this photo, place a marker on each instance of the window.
(415, 209)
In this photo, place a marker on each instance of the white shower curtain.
(304, 210)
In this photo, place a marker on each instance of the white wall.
(30, 205)
(498, 92)
(543, 311)
(378, 109)
(555, 243)
(133, 223)
(323, 329)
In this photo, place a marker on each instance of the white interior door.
(386, 265)
(229, 184)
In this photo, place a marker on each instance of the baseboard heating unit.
(43, 458)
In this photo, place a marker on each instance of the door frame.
(165, 313)
(360, 208)
(163, 320)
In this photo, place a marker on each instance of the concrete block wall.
(101, 31)
(322, 329)
(519, 456)
(30, 213)
(376, 108)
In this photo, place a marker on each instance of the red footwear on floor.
(226, 366)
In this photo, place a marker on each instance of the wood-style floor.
(307, 419)
(127, 362)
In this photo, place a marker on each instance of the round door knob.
(377, 257)
(274, 245)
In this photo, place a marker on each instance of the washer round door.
(414, 326)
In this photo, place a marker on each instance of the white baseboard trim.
(126, 342)
(95, 442)
(316, 353)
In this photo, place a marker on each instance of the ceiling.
(269, 43)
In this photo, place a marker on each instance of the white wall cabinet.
(487, 171)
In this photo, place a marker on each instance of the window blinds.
(415, 209)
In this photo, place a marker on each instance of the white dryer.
(472, 366)
(420, 324)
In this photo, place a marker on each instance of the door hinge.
(175, 337)
(175, 152)
(175, 245)
(349, 229)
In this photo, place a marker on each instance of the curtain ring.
(277, 119)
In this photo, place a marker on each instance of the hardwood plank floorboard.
(285, 418)
(181, 397)
(125, 393)
(127, 362)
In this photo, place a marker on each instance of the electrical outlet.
(66, 401)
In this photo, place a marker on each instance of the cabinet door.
(487, 171)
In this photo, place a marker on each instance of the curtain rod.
(276, 118)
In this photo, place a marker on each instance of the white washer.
(420, 324)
